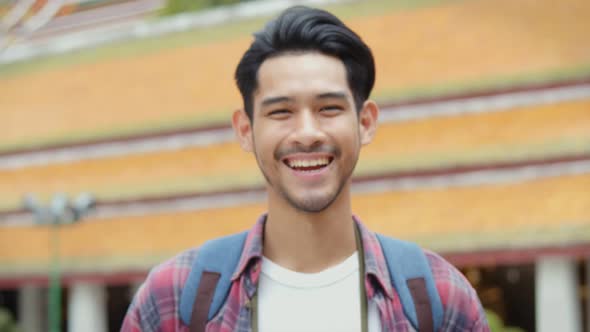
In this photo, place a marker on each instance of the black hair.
(304, 29)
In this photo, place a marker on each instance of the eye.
(279, 113)
(331, 109)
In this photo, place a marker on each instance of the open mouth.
(308, 165)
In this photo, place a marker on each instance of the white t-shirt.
(304, 302)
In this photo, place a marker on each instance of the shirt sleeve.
(462, 308)
(155, 305)
(132, 321)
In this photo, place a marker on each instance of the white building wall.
(557, 304)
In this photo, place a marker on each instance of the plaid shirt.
(156, 305)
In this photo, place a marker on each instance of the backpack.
(209, 281)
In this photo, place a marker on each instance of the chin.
(311, 203)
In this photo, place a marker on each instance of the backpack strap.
(209, 280)
(412, 278)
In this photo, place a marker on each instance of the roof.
(520, 133)
(545, 212)
(192, 84)
(509, 177)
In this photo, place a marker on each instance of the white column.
(556, 290)
(87, 307)
(29, 308)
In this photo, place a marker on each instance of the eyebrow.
(332, 95)
(275, 100)
(283, 99)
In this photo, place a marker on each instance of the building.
(483, 154)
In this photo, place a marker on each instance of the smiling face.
(305, 132)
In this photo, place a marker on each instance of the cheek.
(346, 133)
(270, 134)
(265, 144)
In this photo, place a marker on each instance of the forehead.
(300, 75)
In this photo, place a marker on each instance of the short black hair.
(302, 29)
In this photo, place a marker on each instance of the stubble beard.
(312, 204)
(307, 204)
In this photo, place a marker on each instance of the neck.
(309, 242)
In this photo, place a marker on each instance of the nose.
(308, 131)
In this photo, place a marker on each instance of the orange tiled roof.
(540, 131)
(464, 41)
(551, 211)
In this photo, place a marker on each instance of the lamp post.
(60, 211)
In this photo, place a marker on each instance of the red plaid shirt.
(156, 305)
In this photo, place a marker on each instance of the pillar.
(557, 303)
(87, 307)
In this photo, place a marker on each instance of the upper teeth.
(308, 162)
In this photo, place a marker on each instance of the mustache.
(281, 152)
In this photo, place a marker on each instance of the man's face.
(305, 131)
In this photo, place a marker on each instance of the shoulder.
(155, 304)
(462, 309)
(175, 269)
(169, 277)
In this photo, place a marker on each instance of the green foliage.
(7, 323)
(497, 325)
(180, 6)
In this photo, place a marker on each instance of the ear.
(368, 121)
(242, 129)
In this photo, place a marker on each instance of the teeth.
(308, 162)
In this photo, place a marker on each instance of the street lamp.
(60, 211)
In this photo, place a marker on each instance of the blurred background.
(116, 151)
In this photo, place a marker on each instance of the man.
(308, 264)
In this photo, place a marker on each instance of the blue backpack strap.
(406, 262)
(219, 256)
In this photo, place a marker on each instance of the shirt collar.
(375, 264)
(252, 246)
